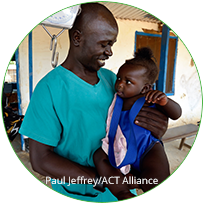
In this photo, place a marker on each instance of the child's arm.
(166, 105)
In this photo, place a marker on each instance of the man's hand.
(152, 120)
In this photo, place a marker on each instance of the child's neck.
(128, 102)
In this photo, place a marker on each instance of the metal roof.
(122, 11)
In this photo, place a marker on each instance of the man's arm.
(46, 162)
(117, 187)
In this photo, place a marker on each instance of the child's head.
(137, 75)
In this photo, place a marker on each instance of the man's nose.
(108, 51)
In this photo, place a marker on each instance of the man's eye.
(103, 45)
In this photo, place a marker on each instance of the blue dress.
(139, 140)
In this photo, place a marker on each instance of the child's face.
(130, 80)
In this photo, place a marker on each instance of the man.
(66, 118)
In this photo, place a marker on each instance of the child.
(128, 146)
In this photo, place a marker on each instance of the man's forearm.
(115, 179)
(46, 162)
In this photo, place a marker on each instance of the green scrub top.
(69, 114)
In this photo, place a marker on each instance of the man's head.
(92, 36)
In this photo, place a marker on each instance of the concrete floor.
(175, 156)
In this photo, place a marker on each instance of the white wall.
(24, 74)
(41, 50)
(187, 84)
(187, 87)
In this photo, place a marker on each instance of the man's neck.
(89, 76)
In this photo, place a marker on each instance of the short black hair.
(144, 57)
(89, 13)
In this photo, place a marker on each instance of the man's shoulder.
(52, 73)
(51, 76)
(50, 81)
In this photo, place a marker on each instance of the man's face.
(97, 41)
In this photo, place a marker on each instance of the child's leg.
(119, 189)
(154, 165)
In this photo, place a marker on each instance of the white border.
(19, 17)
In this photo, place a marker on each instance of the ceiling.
(122, 11)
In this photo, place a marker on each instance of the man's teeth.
(101, 60)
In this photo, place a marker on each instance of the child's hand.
(157, 97)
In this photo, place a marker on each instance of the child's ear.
(146, 88)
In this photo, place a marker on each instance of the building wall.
(41, 50)
(187, 84)
(187, 87)
(24, 74)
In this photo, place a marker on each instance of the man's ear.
(76, 37)
(146, 88)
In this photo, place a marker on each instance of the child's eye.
(118, 78)
(128, 82)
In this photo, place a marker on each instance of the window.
(154, 42)
(11, 72)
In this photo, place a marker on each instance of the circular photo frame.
(46, 101)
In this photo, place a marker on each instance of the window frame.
(163, 69)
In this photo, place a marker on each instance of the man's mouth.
(101, 62)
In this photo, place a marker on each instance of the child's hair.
(144, 57)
